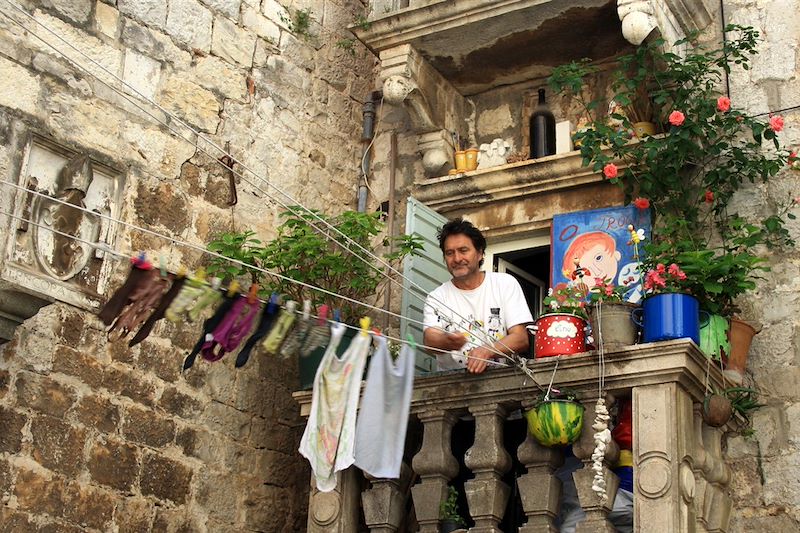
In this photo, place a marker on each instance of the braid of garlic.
(602, 436)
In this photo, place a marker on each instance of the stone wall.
(766, 466)
(99, 437)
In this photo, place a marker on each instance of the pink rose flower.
(676, 118)
(776, 123)
(641, 203)
(610, 171)
(724, 104)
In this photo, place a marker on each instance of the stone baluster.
(335, 511)
(539, 489)
(435, 466)
(701, 465)
(596, 508)
(716, 502)
(487, 495)
(664, 482)
(384, 502)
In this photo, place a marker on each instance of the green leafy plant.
(744, 400)
(448, 508)
(299, 22)
(362, 22)
(567, 298)
(605, 291)
(241, 246)
(348, 45)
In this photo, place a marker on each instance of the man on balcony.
(476, 315)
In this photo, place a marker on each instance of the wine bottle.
(542, 130)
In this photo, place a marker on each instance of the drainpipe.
(368, 132)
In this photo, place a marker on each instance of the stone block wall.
(99, 437)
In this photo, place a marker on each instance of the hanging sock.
(192, 291)
(295, 339)
(227, 336)
(211, 295)
(319, 335)
(283, 324)
(158, 314)
(121, 297)
(143, 301)
(329, 438)
(383, 419)
(209, 326)
(267, 319)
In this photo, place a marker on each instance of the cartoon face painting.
(595, 254)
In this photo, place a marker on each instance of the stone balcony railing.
(680, 474)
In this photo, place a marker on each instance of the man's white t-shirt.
(495, 306)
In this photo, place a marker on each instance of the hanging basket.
(556, 422)
(717, 410)
(558, 334)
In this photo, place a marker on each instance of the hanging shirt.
(383, 418)
(483, 314)
(329, 438)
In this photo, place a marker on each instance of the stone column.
(716, 502)
(701, 465)
(435, 466)
(664, 481)
(335, 511)
(596, 508)
(384, 505)
(539, 489)
(487, 495)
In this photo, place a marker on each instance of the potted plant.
(449, 516)
(556, 419)
(562, 329)
(719, 406)
(610, 314)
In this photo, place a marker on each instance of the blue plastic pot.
(669, 316)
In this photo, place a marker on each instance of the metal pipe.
(368, 132)
(390, 214)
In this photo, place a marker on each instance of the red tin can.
(558, 334)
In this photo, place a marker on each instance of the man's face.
(598, 262)
(461, 257)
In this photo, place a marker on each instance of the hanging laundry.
(329, 437)
(143, 301)
(283, 324)
(227, 336)
(319, 335)
(211, 295)
(209, 326)
(158, 314)
(192, 291)
(267, 319)
(383, 418)
(115, 304)
(295, 339)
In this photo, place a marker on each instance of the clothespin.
(323, 314)
(233, 288)
(216, 282)
(411, 341)
(376, 331)
(142, 257)
(162, 265)
(306, 309)
(365, 325)
(337, 315)
(252, 295)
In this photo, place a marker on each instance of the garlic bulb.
(602, 437)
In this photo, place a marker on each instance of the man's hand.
(478, 358)
(443, 340)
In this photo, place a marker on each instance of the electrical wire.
(463, 321)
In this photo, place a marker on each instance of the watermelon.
(556, 422)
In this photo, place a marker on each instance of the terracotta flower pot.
(612, 323)
(717, 410)
(741, 336)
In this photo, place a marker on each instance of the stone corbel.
(671, 19)
(435, 108)
(638, 20)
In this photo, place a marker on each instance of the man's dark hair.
(459, 226)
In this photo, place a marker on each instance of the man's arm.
(515, 342)
(438, 338)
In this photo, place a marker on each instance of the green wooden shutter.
(427, 270)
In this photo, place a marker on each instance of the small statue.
(493, 154)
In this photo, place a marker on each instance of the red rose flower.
(709, 197)
(641, 203)
(723, 104)
(610, 171)
(676, 118)
(776, 123)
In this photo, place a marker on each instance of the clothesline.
(412, 284)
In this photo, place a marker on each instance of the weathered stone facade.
(100, 437)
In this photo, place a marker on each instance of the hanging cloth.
(319, 335)
(209, 326)
(208, 299)
(115, 304)
(158, 314)
(383, 417)
(267, 319)
(329, 437)
(295, 339)
(227, 336)
(192, 291)
(283, 324)
(143, 301)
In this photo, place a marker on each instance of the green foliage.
(362, 22)
(691, 172)
(306, 255)
(744, 400)
(607, 292)
(348, 45)
(448, 508)
(566, 298)
(300, 22)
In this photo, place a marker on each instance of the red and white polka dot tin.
(558, 334)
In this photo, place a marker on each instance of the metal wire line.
(463, 321)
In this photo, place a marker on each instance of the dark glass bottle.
(542, 130)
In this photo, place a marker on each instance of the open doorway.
(531, 267)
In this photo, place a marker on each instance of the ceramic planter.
(471, 156)
(556, 422)
(741, 336)
(558, 334)
(612, 323)
(668, 316)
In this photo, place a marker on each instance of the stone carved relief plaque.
(52, 264)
